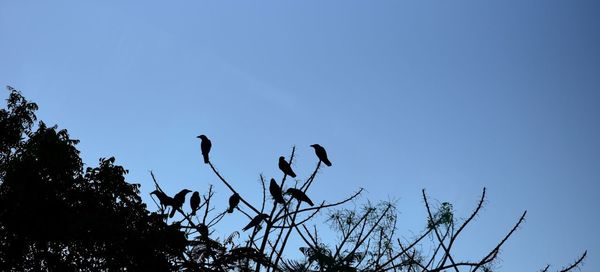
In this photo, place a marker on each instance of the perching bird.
(163, 198)
(256, 221)
(286, 168)
(234, 200)
(276, 192)
(195, 202)
(202, 230)
(321, 154)
(178, 201)
(205, 146)
(299, 195)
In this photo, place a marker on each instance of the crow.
(286, 168)
(163, 198)
(276, 192)
(321, 154)
(205, 146)
(299, 195)
(195, 202)
(202, 230)
(256, 221)
(178, 201)
(234, 200)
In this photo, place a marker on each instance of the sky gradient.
(450, 96)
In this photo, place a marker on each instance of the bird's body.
(163, 198)
(205, 147)
(234, 200)
(321, 154)
(178, 201)
(195, 202)
(285, 167)
(256, 221)
(202, 230)
(276, 192)
(299, 195)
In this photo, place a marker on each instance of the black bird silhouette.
(205, 146)
(163, 198)
(299, 195)
(286, 168)
(256, 221)
(202, 230)
(234, 200)
(276, 192)
(195, 202)
(178, 201)
(321, 154)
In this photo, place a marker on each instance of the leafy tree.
(54, 216)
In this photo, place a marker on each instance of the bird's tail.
(327, 162)
(292, 174)
(205, 158)
(230, 210)
(172, 212)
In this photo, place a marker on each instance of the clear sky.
(451, 96)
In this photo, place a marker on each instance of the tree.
(54, 216)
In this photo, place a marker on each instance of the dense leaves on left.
(56, 216)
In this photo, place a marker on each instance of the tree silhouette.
(56, 216)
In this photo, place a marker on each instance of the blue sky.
(450, 96)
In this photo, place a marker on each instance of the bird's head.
(184, 191)
(314, 145)
(201, 137)
(282, 158)
(155, 192)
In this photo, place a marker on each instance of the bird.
(234, 200)
(286, 168)
(163, 198)
(195, 202)
(202, 230)
(276, 192)
(178, 201)
(299, 195)
(256, 221)
(205, 146)
(321, 154)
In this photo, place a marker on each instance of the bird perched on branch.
(276, 192)
(178, 201)
(163, 198)
(205, 146)
(256, 221)
(234, 200)
(299, 195)
(202, 230)
(321, 154)
(195, 202)
(286, 168)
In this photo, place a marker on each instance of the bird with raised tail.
(321, 154)
(205, 146)
(299, 195)
(285, 167)
(256, 221)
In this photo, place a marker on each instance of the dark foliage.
(56, 216)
